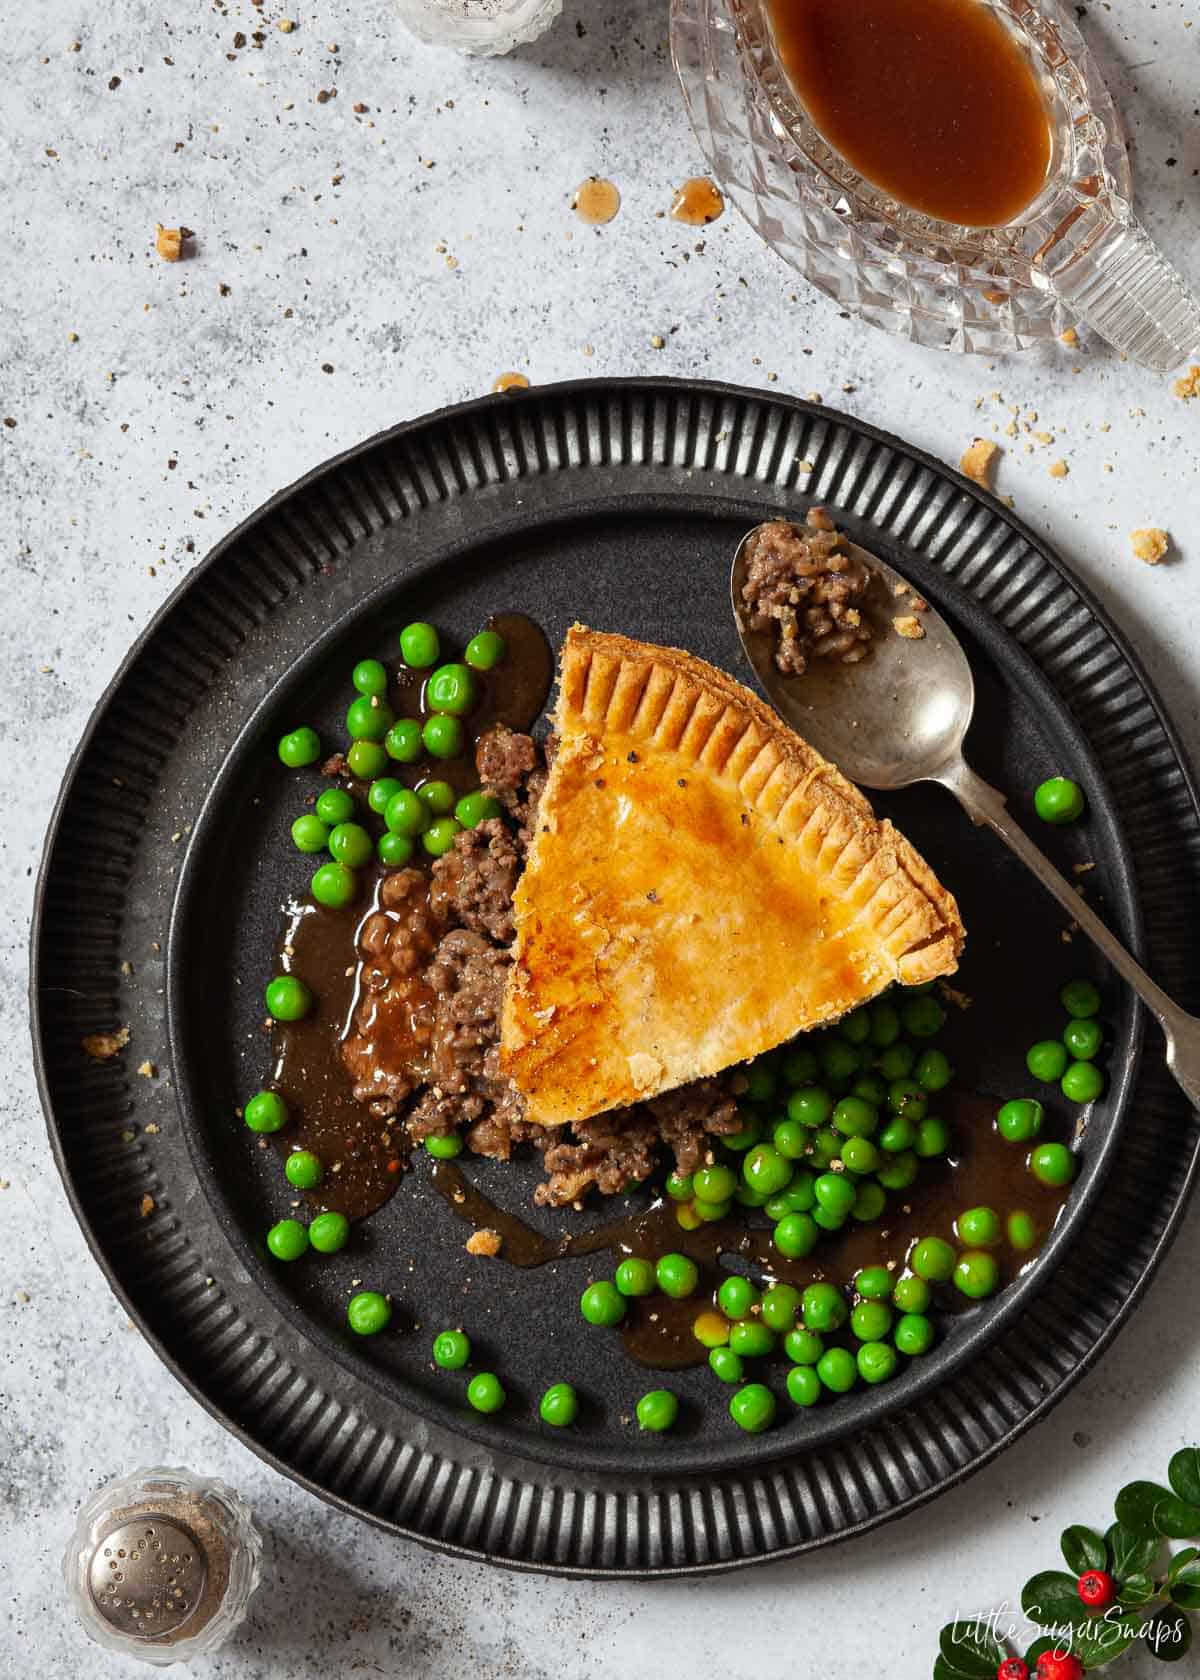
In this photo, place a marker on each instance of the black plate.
(618, 503)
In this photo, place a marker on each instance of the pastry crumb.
(960, 1000)
(1058, 469)
(1187, 385)
(147, 1206)
(909, 626)
(1070, 338)
(169, 242)
(1150, 544)
(147, 1070)
(103, 1046)
(484, 1242)
(979, 461)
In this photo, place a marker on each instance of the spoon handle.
(985, 804)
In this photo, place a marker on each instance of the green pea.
(440, 836)
(869, 1203)
(406, 814)
(855, 1028)
(979, 1227)
(791, 1139)
(779, 1307)
(288, 998)
(368, 1312)
(303, 1169)
(826, 1147)
(710, 1329)
(766, 1169)
(369, 677)
(761, 1081)
(803, 1385)
(1020, 1119)
(299, 747)
(914, 1334)
(687, 1216)
(725, 1365)
(369, 718)
(451, 1350)
(1082, 1082)
(799, 1197)
(714, 1184)
(366, 760)
(839, 1060)
(484, 651)
(451, 689)
(870, 1320)
(403, 741)
(976, 1274)
(679, 1189)
(443, 736)
(634, 1277)
(753, 1408)
(335, 806)
(874, 1283)
(796, 1235)
(885, 1024)
(799, 1066)
(933, 1071)
(485, 1392)
(922, 1017)
(475, 808)
(810, 1106)
(896, 1062)
(444, 1148)
(380, 791)
(907, 1100)
(859, 1155)
(870, 1088)
(835, 1194)
(803, 1346)
(266, 1112)
(736, 1296)
(419, 646)
(1052, 1164)
(747, 1135)
(1047, 1060)
(677, 1276)
(657, 1410)
(349, 843)
(559, 1406)
(899, 1171)
(837, 1370)
(876, 1362)
(1058, 801)
(602, 1304)
(824, 1307)
(309, 834)
(750, 1198)
(932, 1259)
(395, 850)
(438, 797)
(933, 1138)
(750, 1338)
(334, 885)
(1083, 1039)
(287, 1240)
(1022, 1232)
(855, 1118)
(329, 1232)
(1080, 999)
(912, 1294)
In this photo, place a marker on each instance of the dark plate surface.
(618, 504)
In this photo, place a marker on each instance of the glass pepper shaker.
(162, 1565)
(485, 27)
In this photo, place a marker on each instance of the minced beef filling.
(425, 1039)
(801, 582)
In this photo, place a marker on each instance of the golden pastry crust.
(702, 885)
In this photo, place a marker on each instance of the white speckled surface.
(180, 407)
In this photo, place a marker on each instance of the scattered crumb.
(1082, 868)
(1058, 469)
(657, 341)
(103, 1046)
(1150, 544)
(147, 1206)
(1187, 385)
(286, 25)
(978, 461)
(169, 242)
(960, 1000)
(22, 1297)
(484, 1242)
(909, 626)
(1070, 338)
(147, 1070)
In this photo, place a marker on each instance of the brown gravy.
(931, 100)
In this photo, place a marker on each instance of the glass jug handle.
(1107, 270)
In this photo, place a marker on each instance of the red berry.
(1097, 1589)
(1013, 1669)
(1059, 1665)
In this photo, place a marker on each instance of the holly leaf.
(1167, 1634)
(1131, 1553)
(1135, 1505)
(1052, 1600)
(1137, 1589)
(1103, 1639)
(1177, 1519)
(1083, 1549)
(1183, 1473)
(970, 1650)
(1183, 1582)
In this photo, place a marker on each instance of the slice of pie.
(701, 886)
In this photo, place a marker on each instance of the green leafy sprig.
(1154, 1590)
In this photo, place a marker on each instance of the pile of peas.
(830, 1125)
(1020, 1120)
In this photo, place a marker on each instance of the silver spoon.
(900, 716)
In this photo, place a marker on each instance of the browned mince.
(424, 1040)
(802, 585)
